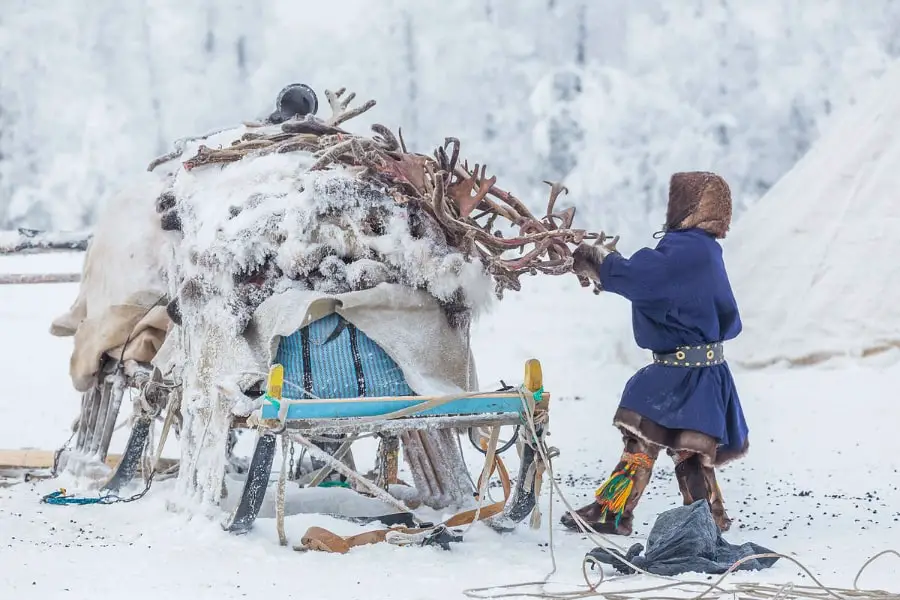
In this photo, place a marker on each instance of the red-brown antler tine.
(556, 189)
(454, 156)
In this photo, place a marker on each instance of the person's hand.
(589, 257)
(587, 261)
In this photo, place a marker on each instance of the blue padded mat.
(348, 365)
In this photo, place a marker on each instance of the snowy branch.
(33, 241)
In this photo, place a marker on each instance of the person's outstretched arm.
(651, 274)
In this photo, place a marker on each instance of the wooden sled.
(281, 417)
(329, 422)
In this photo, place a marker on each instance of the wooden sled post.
(528, 482)
(94, 427)
(254, 491)
(139, 438)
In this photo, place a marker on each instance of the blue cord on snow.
(59, 498)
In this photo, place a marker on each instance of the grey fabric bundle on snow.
(686, 540)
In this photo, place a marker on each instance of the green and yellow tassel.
(613, 494)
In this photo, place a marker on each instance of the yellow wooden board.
(43, 459)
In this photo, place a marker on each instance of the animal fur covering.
(267, 229)
(115, 314)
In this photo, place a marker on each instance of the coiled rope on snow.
(690, 589)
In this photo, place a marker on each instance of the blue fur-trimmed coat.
(681, 296)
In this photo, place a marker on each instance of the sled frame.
(93, 428)
(524, 497)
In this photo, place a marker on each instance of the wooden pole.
(31, 241)
(43, 459)
(29, 278)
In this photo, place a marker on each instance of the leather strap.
(322, 540)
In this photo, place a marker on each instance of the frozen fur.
(264, 221)
(264, 224)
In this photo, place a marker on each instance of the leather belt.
(704, 355)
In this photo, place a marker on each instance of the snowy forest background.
(609, 96)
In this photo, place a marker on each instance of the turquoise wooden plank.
(337, 409)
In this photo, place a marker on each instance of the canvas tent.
(815, 264)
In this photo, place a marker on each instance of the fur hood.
(699, 199)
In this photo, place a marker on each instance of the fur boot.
(612, 511)
(698, 481)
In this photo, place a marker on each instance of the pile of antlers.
(465, 204)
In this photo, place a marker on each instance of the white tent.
(815, 264)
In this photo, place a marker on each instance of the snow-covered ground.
(820, 483)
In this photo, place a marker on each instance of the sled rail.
(352, 426)
(31, 278)
(32, 241)
(31, 458)
(386, 406)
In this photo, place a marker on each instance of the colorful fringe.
(613, 494)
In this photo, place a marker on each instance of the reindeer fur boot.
(698, 481)
(612, 511)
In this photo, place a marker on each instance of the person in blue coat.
(685, 401)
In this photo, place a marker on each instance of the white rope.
(347, 471)
(744, 590)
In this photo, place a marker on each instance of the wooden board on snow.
(43, 459)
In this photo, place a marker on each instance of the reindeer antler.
(542, 244)
(339, 111)
(461, 189)
(447, 192)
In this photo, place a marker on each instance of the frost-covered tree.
(740, 88)
(609, 96)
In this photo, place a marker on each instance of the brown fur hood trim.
(699, 199)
